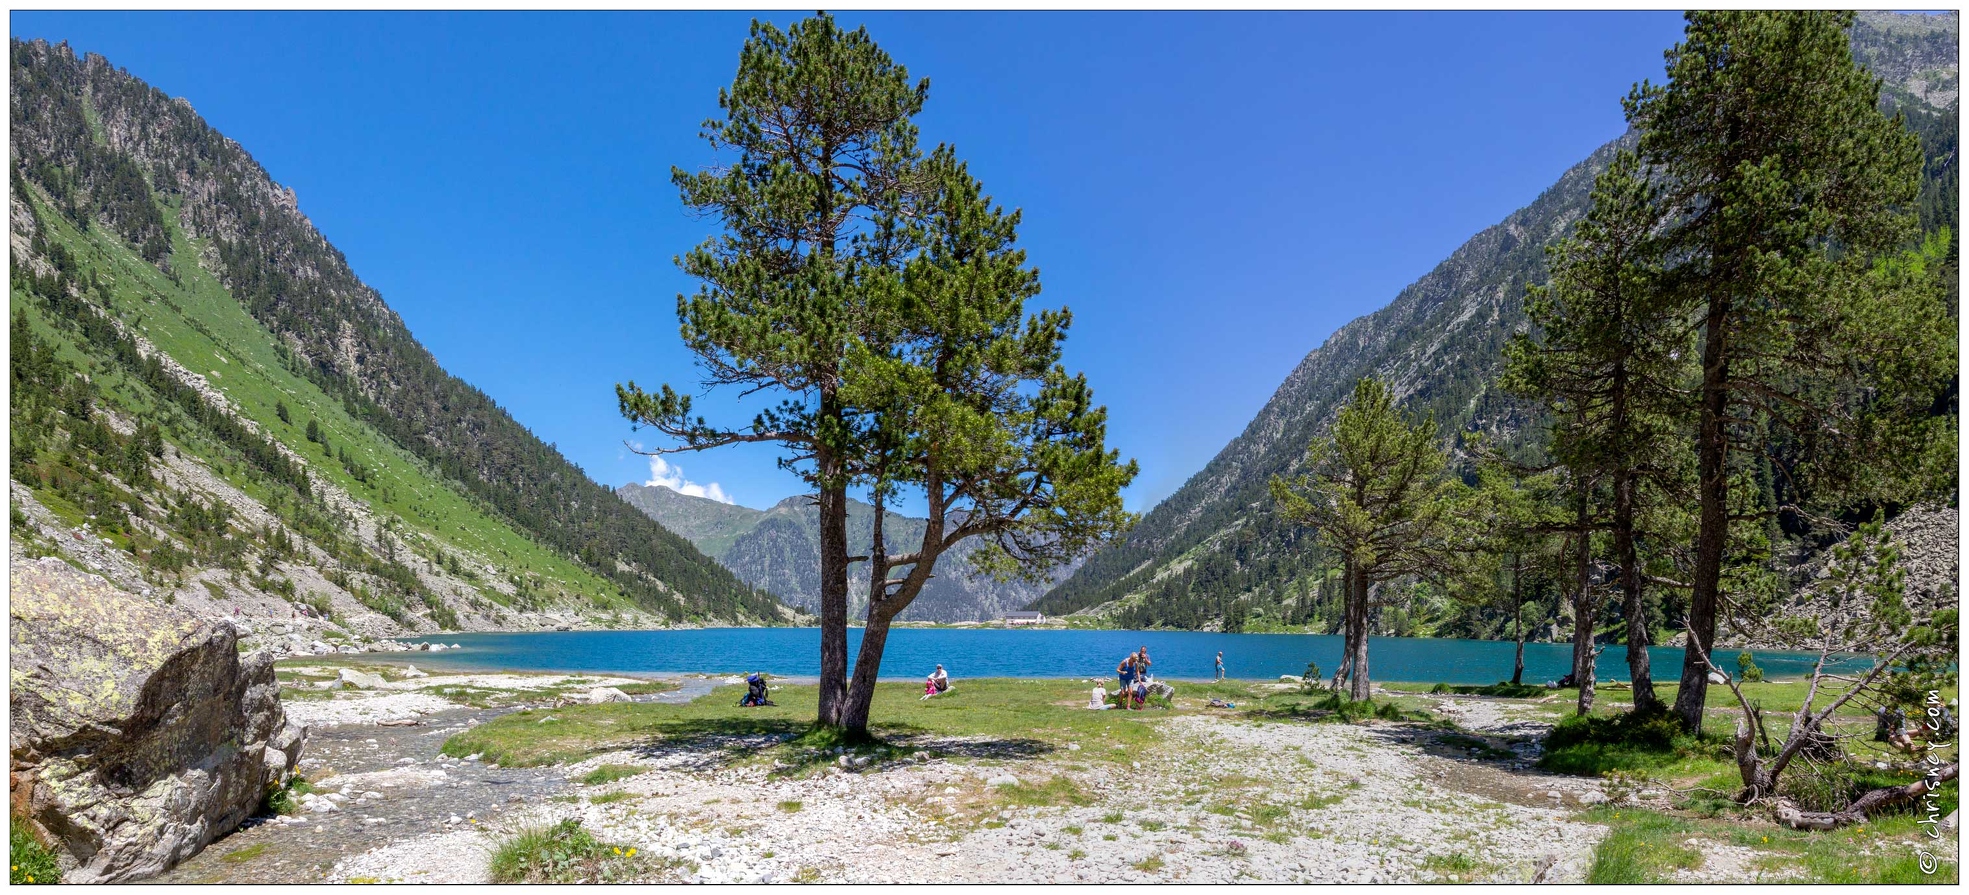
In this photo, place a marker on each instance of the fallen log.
(1790, 815)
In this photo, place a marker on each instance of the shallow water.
(1026, 653)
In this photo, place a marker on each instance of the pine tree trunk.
(1639, 635)
(1518, 664)
(1584, 669)
(833, 591)
(868, 664)
(1357, 612)
(1346, 625)
(1517, 621)
(1713, 486)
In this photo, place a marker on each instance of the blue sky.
(1211, 194)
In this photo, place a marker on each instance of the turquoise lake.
(1026, 653)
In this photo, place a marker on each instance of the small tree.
(1379, 495)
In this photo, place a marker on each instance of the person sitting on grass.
(755, 691)
(938, 682)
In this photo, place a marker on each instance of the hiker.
(1220, 665)
(938, 682)
(755, 691)
(1126, 671)
(1142, 664)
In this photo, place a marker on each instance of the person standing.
(1220, 665)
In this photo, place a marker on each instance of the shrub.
(565, 853)
(286, 798)
(1596, 744)
(1747, 669)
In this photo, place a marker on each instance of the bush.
(31, 861)
(1747, 669)
(1311, 680)
(565, 853)
(1596, 744)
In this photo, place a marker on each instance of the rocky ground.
(1222, 797)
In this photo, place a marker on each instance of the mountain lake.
(1041, 653)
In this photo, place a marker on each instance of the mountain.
(209, 407)
(778, 550)
(1215, 554)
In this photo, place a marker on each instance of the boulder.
(1716, 677)
(351, 679)
(600, 695)
(320, 649)
(411, 671)
(138, 734)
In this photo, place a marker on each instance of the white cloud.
(671, 476)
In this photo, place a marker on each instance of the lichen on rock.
(139, 734)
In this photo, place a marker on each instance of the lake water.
(1028, 653)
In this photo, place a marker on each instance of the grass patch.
(1150, 864)
(31, 862)
(1057, 791)
(566, 853)
(790, 807)
(609, 773)
(1645, 846)
(245, 854)
(286, 798)
(1318, 800)
(1266, 814)
(1002, 718)
(1453, 863)
(608, 798)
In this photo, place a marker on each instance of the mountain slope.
(1213, 553)
(153, 256)
(778, 550)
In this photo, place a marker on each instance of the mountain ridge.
(1212, 552)
(134, 222)
(778, 549)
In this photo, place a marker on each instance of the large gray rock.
(351, 679)
(139, 734)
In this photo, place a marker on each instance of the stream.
(394, 785)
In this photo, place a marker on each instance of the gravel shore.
(1221, 800)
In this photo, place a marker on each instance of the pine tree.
(972, 408)
(819, 120)
(1786, 183)
(1379, 494)
(1608, 356)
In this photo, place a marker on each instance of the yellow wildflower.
(632, 852)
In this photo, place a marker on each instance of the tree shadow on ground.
(712, 744)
